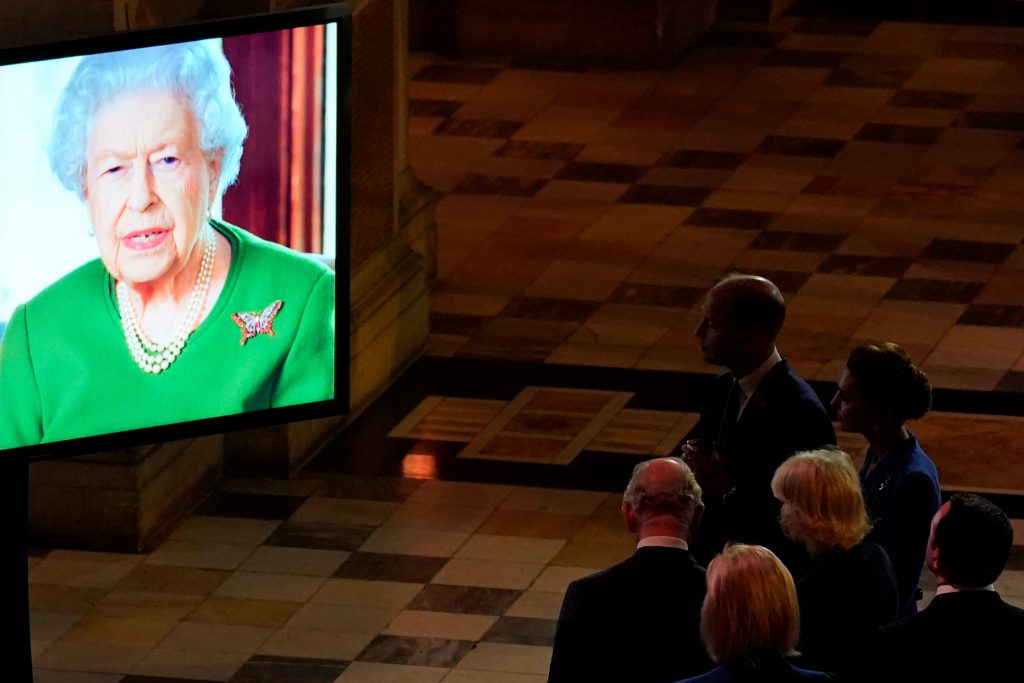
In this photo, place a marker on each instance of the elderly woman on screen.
(750, 620)
(182, 316)
(849, 589)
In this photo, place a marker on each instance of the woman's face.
(148, 185)
(852, 410)
(785, 516)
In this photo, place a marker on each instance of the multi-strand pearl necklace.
(150, 356)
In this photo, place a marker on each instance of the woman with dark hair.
(880, 390)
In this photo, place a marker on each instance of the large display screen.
(174, 220)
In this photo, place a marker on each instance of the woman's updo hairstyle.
(890, 382)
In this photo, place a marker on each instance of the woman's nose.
(140, 188)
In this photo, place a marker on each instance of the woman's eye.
(167, 162)
(113, 170)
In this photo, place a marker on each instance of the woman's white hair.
(198, 72)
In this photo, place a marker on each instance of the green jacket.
(66, 372)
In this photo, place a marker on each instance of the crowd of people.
(764, 555)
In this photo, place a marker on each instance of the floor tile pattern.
(992, 445)
(620, 430)
(868, 170)
(337, 616)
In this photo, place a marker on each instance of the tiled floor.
(342, 589)
(872, 169)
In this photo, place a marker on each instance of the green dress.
(66, 372)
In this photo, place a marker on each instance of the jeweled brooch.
(257, 322)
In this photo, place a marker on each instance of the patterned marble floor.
(874, 170)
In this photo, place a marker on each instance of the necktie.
(732, 410)
(732, 407)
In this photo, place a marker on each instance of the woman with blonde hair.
(750, 619)
(849, 589)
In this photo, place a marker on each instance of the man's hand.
(708, 468)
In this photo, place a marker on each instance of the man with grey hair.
(639, 620)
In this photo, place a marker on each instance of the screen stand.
(16, 640)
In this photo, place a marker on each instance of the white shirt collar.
(663, 542)
(950, 588)
(750, 382)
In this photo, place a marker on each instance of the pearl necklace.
(150, 356)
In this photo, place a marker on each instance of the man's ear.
(629, 515)
(933, 560)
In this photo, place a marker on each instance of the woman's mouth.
(148, 238)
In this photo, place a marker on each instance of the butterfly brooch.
(259, 322)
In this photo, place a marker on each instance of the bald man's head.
(663, 487)
(753, 302)
(742, 316)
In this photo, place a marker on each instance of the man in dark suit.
(967, 633)
(755, 415)
(639, 620)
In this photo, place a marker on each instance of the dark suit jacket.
(636, 621)
(967, 636)
(782, 417)
(844, 598)
(901, 495)
(775, 671)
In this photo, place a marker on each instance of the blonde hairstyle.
(751, 608)
(822, 503)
